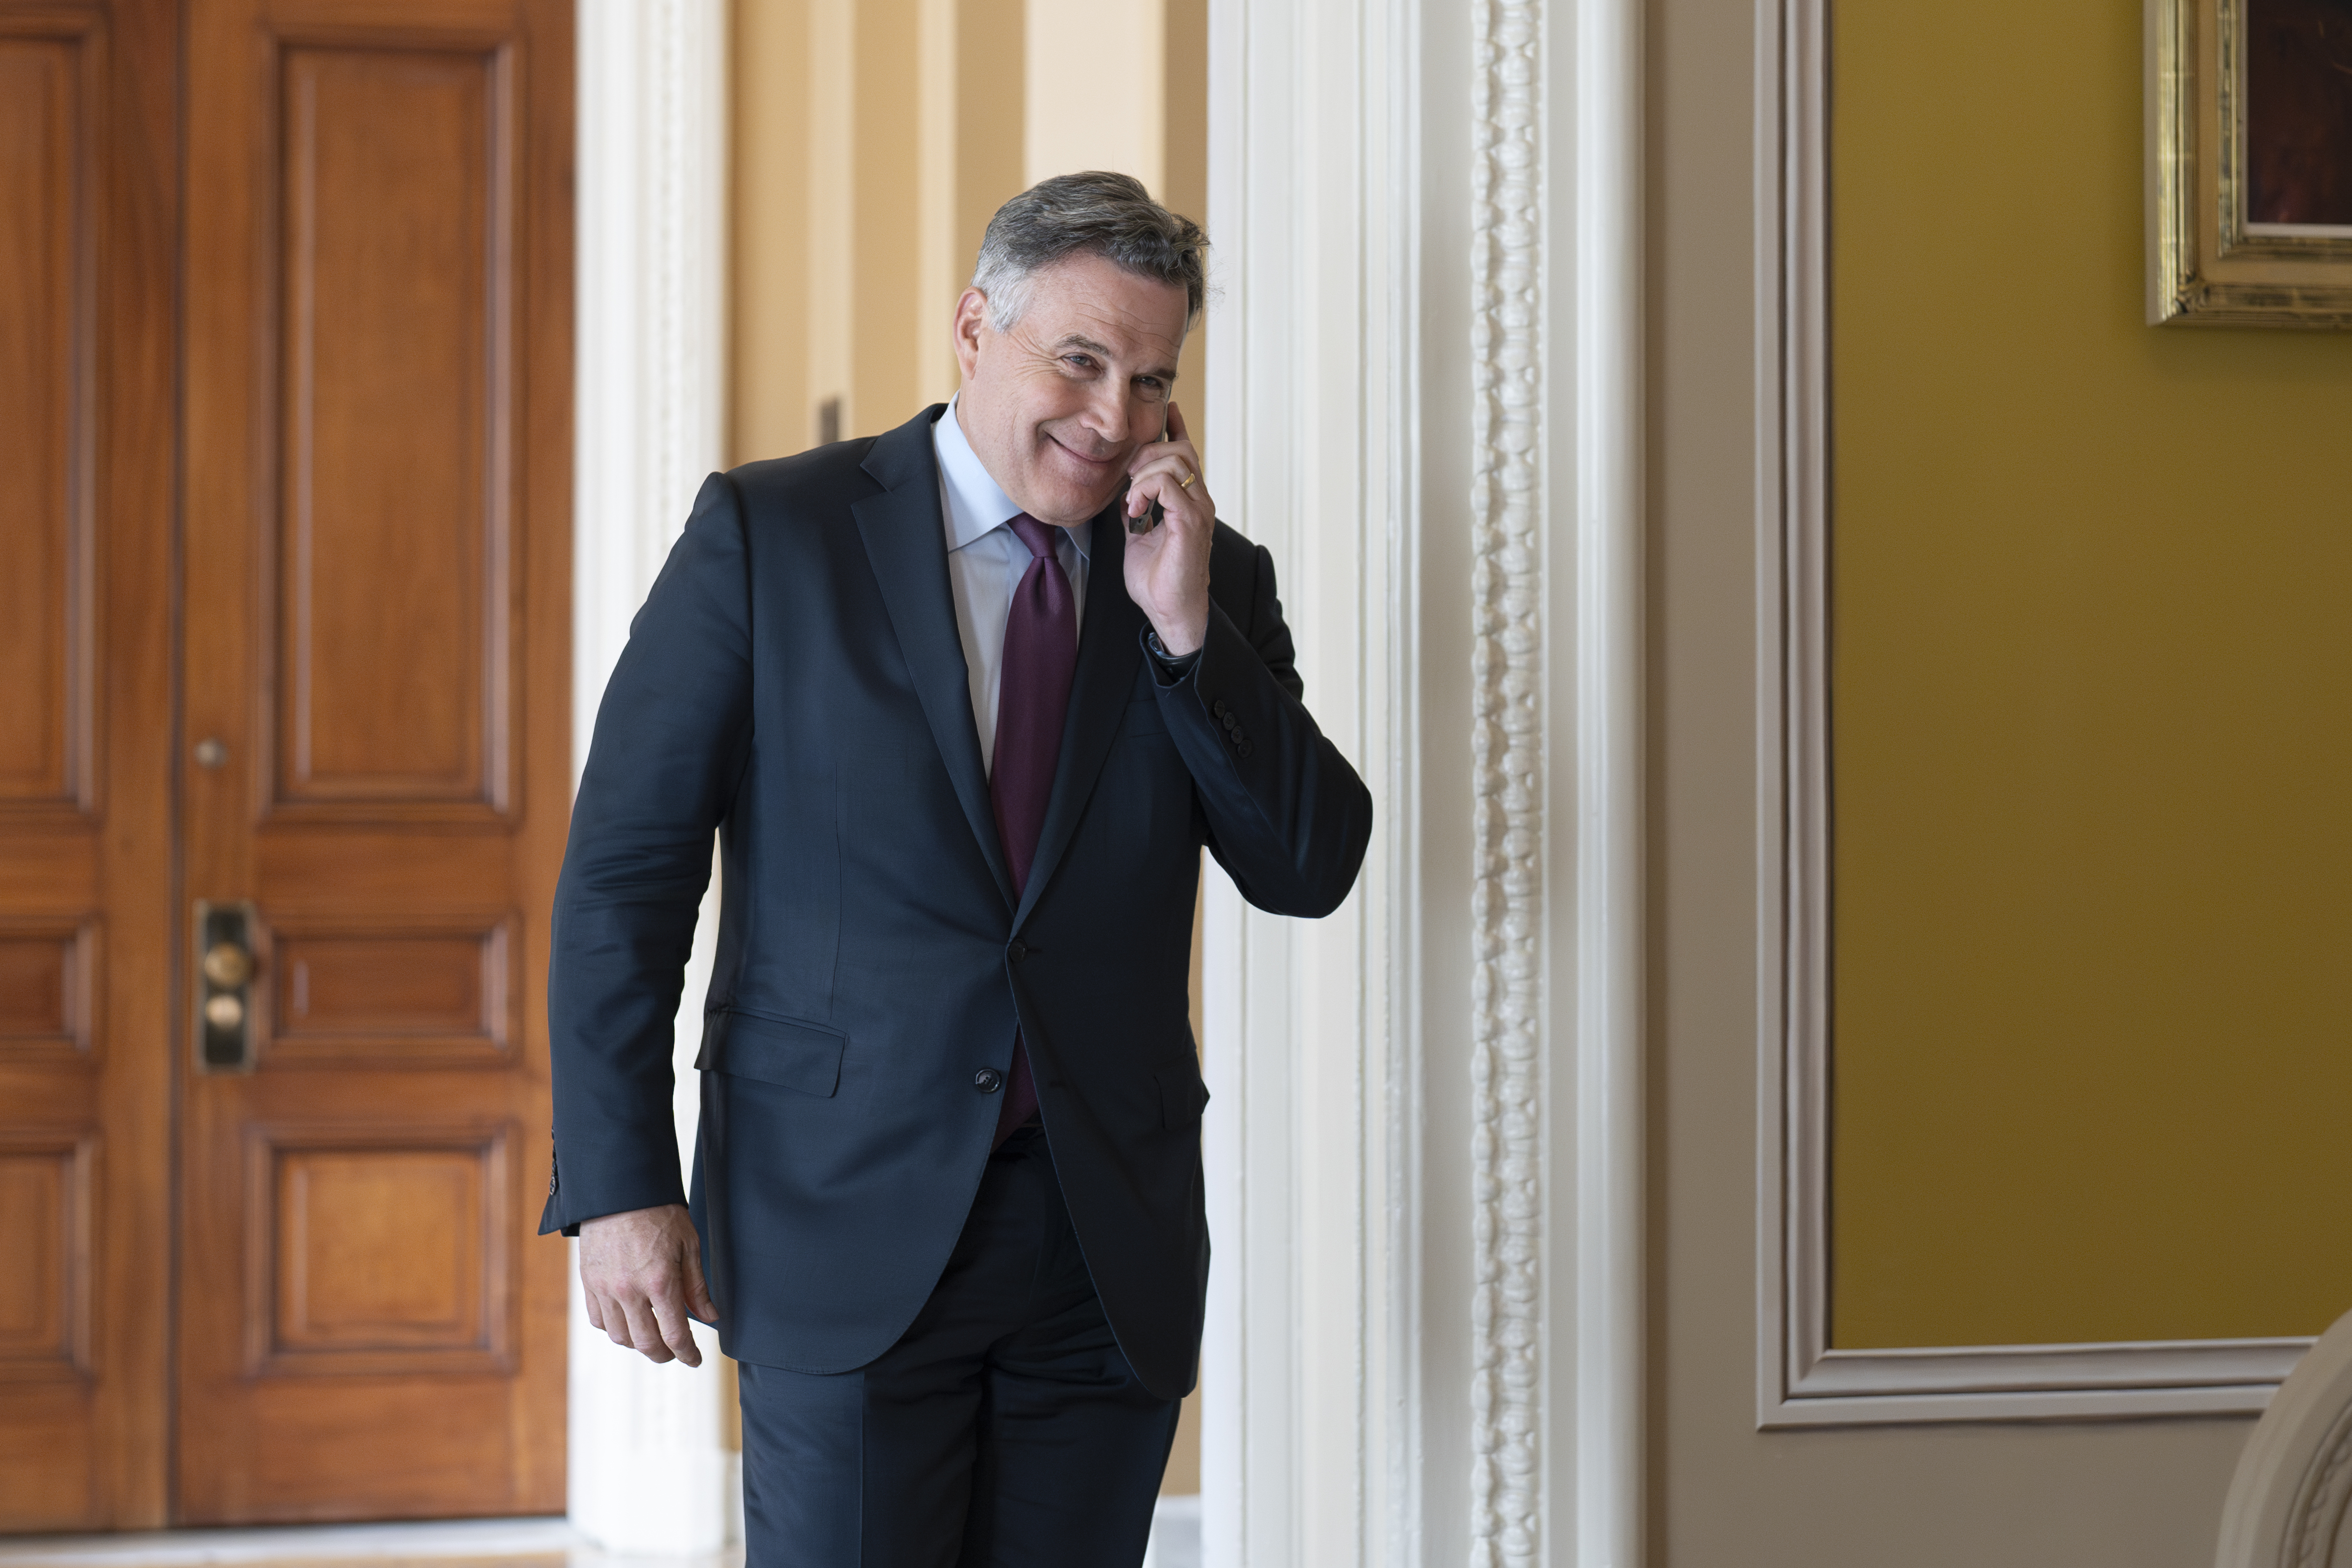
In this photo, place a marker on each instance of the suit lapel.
(1109, 647)
(905, 541)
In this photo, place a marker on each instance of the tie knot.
(1037, 536)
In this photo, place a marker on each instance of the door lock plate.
(224, 1001)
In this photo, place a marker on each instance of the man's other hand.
(643, 1270)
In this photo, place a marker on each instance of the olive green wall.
(2091, 708)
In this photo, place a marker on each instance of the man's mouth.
(1102, 462)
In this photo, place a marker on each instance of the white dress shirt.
(985, 561)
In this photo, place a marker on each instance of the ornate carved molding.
(1508, 739)
(2292, 1493)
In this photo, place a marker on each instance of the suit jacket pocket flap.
(797, 1055)
(1182, 1095)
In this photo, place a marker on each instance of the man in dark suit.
(963, 719)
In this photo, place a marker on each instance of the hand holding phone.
(1154, 514)
(1171, 525)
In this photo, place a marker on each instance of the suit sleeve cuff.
(1168, 669)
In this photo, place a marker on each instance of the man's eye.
(1079, 362)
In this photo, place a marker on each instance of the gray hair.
(1093, 214)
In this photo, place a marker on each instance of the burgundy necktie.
(1040, 651)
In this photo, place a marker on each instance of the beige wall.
(874, 139)
(768, 224)
(2114, 1495)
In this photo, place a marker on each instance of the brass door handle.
(227, 965)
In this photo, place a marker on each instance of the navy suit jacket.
(795, 682)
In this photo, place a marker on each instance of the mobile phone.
(1153, 515)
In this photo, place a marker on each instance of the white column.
(1312, 1406)
(1424, 1157)
(647, 1471)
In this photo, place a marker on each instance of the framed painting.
(2250, 162)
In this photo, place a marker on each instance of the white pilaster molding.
(1557, 918)
(1507, 1030)
(647, 1473)
(1312, 1408)
(1593, 64)
(1801, 1378)
(1376, 1391)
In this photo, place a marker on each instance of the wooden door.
(377, 563)
(284, 636)
(86, 189)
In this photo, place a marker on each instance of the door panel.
(396, 317)
(395, 995)
(47, 1009)
(48, 95)
(87, 187)
(45, 1191)
(377, 558)
(381, 1250)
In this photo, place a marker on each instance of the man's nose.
(1108, 414)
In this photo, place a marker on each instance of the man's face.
(1055, 407)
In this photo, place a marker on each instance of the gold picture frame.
(2212, 261)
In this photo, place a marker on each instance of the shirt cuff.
(1171, 668)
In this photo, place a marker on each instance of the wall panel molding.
(1801, 1379)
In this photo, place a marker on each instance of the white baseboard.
(463, 1538)
(1175, 1533)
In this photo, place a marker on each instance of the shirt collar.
(976, 505)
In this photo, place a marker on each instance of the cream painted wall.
(843, 285)
(1096, 68)
(770, 232)
(1722, 1495)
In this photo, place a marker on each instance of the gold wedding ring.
(1186, 482)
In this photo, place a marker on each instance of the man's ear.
(971, 322)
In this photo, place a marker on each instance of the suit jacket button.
(1018, 951)
(1244, 748)
(988, 1080)
(1218, 706)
